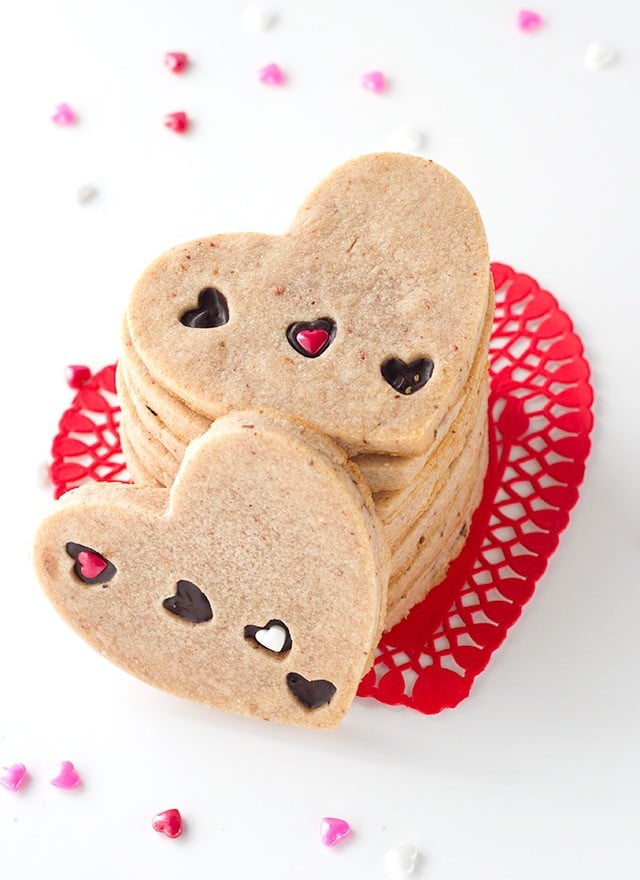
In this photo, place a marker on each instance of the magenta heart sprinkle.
(14, 777)
(332, 831)
(63, 115)
(272, 75)
(375, 81)
(529, 21)
(68, 776)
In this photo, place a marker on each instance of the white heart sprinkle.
(257, 19)
(406, 139)
(599, 56)
(44, 475)
(400, 860)
(85, 193)
(273, 638)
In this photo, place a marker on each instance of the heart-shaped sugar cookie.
(257, 584)
(363, 319)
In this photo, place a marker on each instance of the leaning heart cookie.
(364, 319)
(257, 584)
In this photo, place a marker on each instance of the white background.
(537, 774)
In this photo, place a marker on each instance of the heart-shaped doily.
(540, 420)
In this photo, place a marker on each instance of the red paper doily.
(540, 420)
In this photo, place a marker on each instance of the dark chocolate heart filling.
(407, 378)
(311, 694)
(189, 603)
(212, 310)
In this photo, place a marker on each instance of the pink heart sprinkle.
(312, 340)
(271, 75)
(169, 823)
(63, 115)
(178, 122)
(91, 565)
(176, 61)
(529, 21)
(332, 831)
(374, 81)
(67, 777)
(13, 777)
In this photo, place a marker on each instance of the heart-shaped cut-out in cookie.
(275, 636)
(311, 338)
(407, 378)
(257, 501)
(311, 694)
(90, 566)
(390, 248)
(189, 603)
(211, 311)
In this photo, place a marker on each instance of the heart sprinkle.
(68, 776)
(77, 375)
(406, 139)
(274, 636)
(257, 19)
(311, 338)
(272, 75)
(44, 475)
(91, 564)
(14, 777)
(332, 831)
(529, 21)
(85, 193)
(169, 823)
(178, 122)
(599, 56)
(63, 115)
(90, 567)
(401, 860)
(375, 81)
(176, 62)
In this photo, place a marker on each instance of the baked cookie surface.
(257, 584)
(364, 319)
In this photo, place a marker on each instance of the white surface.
(537, 775)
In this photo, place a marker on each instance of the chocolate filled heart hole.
(311, 338)
(212, 310)
(407, 378)
(90, 566)
(312, 694)
(274, 636)
(189, 603)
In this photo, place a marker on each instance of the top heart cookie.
(363, 319)
(257, 584)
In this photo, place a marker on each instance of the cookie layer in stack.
(369, 320)
(193, 589)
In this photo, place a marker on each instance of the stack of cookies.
(304, 418)
(370, 320)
